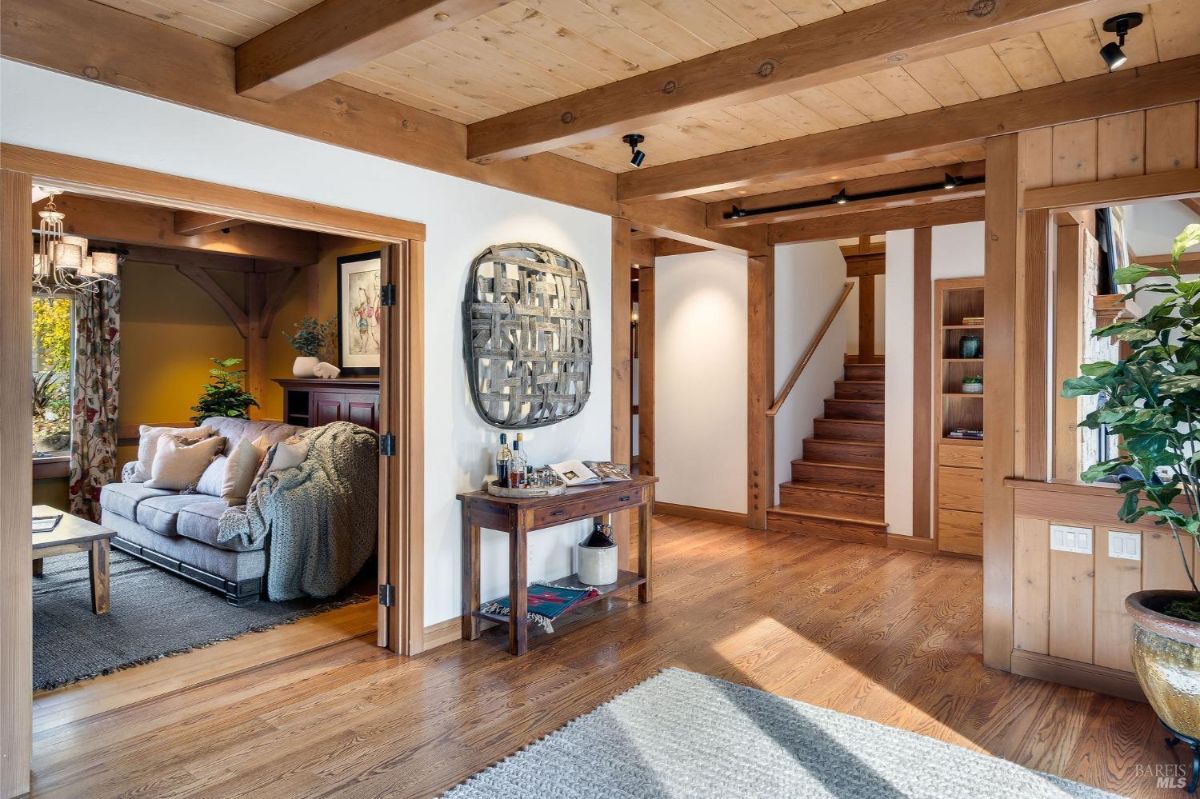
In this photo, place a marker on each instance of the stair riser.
(847, 431)
(865, 479)
(812, 498)
(840, 409)
(869, 454)
(860, 371)
(822, 528)
(852, 390)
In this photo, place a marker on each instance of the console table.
(519, 517)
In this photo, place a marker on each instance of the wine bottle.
(503, 458)
(516, 466)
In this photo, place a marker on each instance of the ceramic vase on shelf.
(304, 366)
(970, 347)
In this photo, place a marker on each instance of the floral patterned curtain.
(94, 397)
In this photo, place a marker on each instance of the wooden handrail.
(812, 349)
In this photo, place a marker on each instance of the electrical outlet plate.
(1064, 538)
(1123, 545)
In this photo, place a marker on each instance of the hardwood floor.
(884, 634)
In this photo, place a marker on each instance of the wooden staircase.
(836, 490)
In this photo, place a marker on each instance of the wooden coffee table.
(74, 534)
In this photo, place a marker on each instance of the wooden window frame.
(400, 625)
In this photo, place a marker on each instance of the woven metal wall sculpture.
(527, 336)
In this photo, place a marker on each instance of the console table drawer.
(570, 511)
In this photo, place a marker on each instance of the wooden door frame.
(402, 405)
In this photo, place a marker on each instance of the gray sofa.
(178, 532)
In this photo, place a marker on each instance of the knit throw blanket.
(322, 516)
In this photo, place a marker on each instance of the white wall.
(43, 109)
(1151, 227)
(808, 280)
(957, 251)
(700, 380)
(898, 372)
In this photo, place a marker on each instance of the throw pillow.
(179, 462)
(284, 455)
(241, 469)
(213, 478)
(148, 446)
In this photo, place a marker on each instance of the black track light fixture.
(841, 198)
(1121, 24)
(633, 140)
(951, 182)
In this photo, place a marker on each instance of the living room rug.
(684, 734)
(152, 614)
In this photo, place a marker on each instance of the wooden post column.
(923, 462)
(646, 369)
(256, 342)
(622, 369)
(760, 380)
(1003, 257)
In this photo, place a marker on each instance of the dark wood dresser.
(311, 401)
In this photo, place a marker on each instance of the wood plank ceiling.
(528, 52)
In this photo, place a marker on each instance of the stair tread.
(851, 441)
(868, 382)
(850, 421)
(828, 516)
(855, 399)
(837, 489)
(832, 465)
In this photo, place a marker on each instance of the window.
(53, 356)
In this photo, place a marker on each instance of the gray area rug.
(681, 734)
(152, 614)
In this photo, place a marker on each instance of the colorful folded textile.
(546, 603)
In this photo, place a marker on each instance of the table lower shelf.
(625, 579)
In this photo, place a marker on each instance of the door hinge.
(387, 294)
(387, 445)
(387, 595)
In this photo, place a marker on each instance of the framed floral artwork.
(359, 313)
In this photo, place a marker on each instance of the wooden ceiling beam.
(666, 247)
(684, 220)
(155, 227)
(336, 36)
(870, 222)
(190, 223)
(895, 182)
(877, 37)
(918, 135)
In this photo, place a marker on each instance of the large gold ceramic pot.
(1166, 657)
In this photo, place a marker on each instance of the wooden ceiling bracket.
(221, 297)
(276, 296)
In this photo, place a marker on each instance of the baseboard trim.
(1087, 676)
(912, 543)
(703, 514)
(442, 633)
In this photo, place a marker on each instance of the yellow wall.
(169, 329)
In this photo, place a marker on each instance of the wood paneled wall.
(1057, 614)
(1125, 145)
(1071, 605)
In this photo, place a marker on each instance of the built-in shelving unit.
(958, 485)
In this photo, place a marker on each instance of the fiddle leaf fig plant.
(1151, 401)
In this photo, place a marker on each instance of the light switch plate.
(1064, 538)
(1127, 546)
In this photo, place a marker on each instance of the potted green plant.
(1152, 402)
(311, 340)
(224, 395)
(972, 384)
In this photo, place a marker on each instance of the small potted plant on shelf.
(224, 395)
(1152, 404)
(972, 384)
(310, 340)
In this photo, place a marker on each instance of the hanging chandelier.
(62, 262)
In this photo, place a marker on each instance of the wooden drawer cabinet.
(313, 402)
(960, 489)
(960, 531)
(967, 456)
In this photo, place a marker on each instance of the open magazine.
(586, 473)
